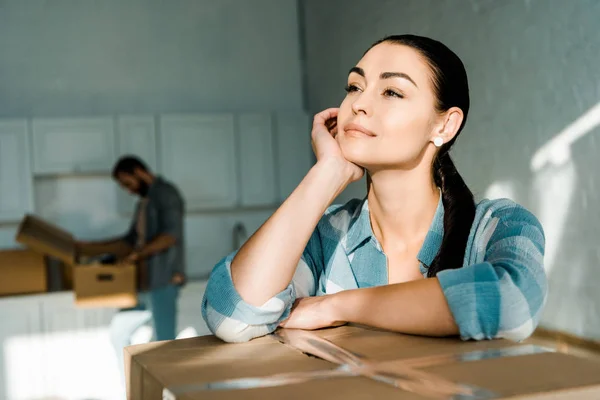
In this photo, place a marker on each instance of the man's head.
(133, 175)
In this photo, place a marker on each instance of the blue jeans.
(158, 306)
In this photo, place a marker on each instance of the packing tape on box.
(405, 376)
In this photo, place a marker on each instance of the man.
(156, 244)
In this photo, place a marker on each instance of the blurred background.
(218, 97)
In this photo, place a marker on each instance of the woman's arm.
(265, 264)
(250, 291)
(416, 307)
(500, 297)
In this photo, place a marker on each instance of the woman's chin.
(355, 155)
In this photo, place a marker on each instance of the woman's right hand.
(327, 149)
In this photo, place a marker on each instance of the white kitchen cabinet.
(136, 135)
(60, 314)
(52, 349)
(77, 145)
(257, 160)
(76, 359)
(21, 373)
(16, 179)
(294, 151)
(197, 153)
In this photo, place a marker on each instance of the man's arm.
(170, 214)
(160, 243)
(118, 246)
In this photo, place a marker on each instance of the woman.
(417, 255)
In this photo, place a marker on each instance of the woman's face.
(388, 117)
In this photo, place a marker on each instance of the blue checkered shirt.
(499, 291)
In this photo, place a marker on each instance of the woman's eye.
(392, 93)
(351, 88)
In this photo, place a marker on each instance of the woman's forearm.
(417, 307)
(265, 264)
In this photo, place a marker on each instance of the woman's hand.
(327, 149)
(313, 313)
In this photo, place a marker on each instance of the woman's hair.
(451, 88)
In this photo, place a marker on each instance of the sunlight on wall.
(554, 189)
(501, 189)
(555, 180)
(557, 151)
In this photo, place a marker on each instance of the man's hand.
(178, 279)
(131, 258)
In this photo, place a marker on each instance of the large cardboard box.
(353, 362)
(94, 285)
(22, 272)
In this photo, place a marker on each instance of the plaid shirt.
(499, 291)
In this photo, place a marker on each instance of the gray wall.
(65, 58)
(533, 69)
(74, 57)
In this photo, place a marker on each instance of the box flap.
(46, 238)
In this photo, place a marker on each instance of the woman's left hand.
(313, 313)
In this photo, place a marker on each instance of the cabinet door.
(136, 135)
(257, 163)
(16, 180)
(294, 153)
(77, 340)
(22, 375)
(82, 145)
(197, 153)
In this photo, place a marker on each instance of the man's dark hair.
(128, 164)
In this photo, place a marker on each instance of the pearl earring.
(438, 141)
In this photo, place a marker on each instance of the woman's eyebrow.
(384, 75)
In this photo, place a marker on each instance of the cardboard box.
(94, 285)
(22, 272)
(394, 366)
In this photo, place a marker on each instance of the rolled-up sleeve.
(502, 296)
(232, 319)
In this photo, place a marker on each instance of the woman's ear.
(449, 125)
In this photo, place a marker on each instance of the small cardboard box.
(394, 366)
(94, 285)
(22, 272)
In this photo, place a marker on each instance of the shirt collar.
(360, 231)
(433, 240)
